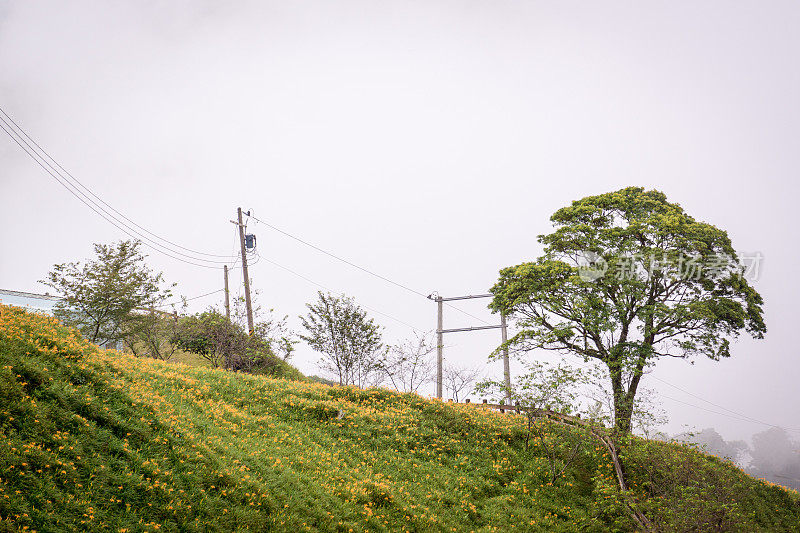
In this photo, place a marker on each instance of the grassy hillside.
(94, 440)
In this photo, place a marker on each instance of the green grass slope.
(94, 440)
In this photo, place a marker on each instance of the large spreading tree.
(627, 278)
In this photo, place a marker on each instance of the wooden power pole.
(227, 295)
(247, 300)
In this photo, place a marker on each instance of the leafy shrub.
(225, 343)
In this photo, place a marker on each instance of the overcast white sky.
(428, 141)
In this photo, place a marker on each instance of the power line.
(90, 204)
(65, 182)
(370, 272)
(76, 180)
(204, 295)
(117, 219)
(735, 417)
(190, 299)
(309, 280)
(354, 265)
(111, 221)
(741, 416)
(451, 306)
(258, 258)
(71, 180)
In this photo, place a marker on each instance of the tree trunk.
(623, 410)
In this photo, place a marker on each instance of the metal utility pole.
(227, 295)
(506, 364)
(247, 301)
(440, 344)
(439, 348)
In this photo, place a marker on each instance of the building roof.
(22, 294)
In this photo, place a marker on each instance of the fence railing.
(519, 409)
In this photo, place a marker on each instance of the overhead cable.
(67, 181)
(359, 267)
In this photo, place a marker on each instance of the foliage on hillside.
(96, 440)
(223, 342)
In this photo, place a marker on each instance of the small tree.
(546, 387)
(224, 343)
(349, 341)
(543, 386)
(270, 329)
(408, 365)
(459, 380)
(100, 296)
(212, 336)
(152, 334)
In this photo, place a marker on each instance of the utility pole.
(227, 295)
(440, 331)
(247, 301)
(506, 364)
(439, 348)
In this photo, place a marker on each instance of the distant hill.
(102, 441)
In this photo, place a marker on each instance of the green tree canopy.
(626, 278)
(213, 336)
(349, 341)
(100, 296)
(222, 342)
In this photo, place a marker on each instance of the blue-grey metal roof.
(42, 303)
